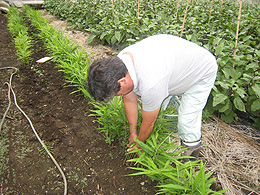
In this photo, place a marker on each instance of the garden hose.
(36, 134)
(9, 99)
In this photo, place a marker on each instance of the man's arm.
(149, 119)
(131, 109)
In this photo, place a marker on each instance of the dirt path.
(61, 120)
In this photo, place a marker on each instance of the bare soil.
(61, 120)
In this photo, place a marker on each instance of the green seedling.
(42, 150)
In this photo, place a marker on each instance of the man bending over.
(155, 68)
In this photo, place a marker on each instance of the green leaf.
(238, 74)
(116, 21)
(118, 35)
(222, 84)
(257, 53)
(219, 49)
(173, 186)
(218, 99)
(229, 72)
(217, 40)
(227, 118)
(103, 35)
(113, 40)
(251, 65)
(239, 104)
(91, 38)
(256, 89)
(241, 92)
(255, 105)
(188, 37)
(226, 106)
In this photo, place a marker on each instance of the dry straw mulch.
(233, 156)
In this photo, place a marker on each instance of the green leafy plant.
(159, 157)
(188, 181)
(16, 22)
(23, 45)
(117, 128)
(160, 160)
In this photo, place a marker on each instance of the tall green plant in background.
(237, 87)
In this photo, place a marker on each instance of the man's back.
(168, 65)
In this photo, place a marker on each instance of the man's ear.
(122, 81)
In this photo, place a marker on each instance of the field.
(90, 164)
(61, 119)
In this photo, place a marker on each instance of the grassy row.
(160, 164)
(23, 42)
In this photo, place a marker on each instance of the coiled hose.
(36, 134)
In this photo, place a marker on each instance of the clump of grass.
(112, 118)
(43, 150)
(23, 45)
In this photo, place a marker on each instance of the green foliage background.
(237, 88)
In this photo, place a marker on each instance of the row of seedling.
(23, 42)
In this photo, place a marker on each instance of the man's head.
(105, 78)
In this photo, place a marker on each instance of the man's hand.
(132, 138)
(132, 142)
(149, 118)
(146, 129)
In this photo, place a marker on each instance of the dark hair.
(103, 75)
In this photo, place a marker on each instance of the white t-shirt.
(166, 65)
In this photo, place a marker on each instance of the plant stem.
(210, 10)
(238, 21)
(177, 8)
(184, 17)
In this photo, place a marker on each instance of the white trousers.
(192, 103)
